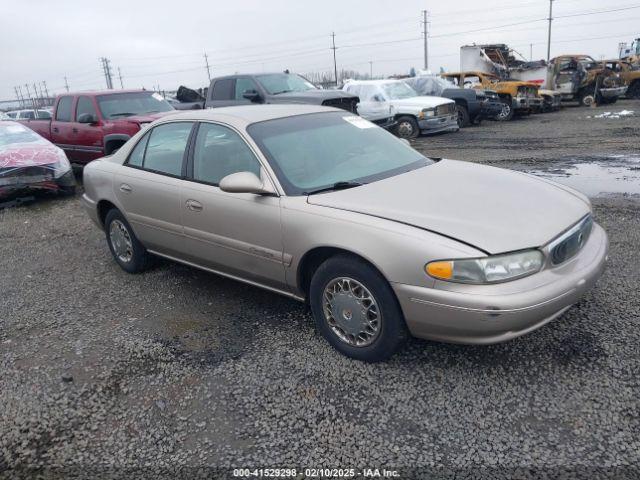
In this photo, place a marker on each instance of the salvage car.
(381, 241)
(89, 125)
(29, 113)
(413, 113)
(30, 163)
(266, 88)
(472, 105)
(629, 73)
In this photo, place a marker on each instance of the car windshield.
(119, 105)
(317, 151)
(275, 83)
(12, 133)
(398, 91)
(430, 85)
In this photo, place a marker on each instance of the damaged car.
(30, 163)
(629, 73)
(263, 88)
(472, 105)
(381, 100)
(322, 206)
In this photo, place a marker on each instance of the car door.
(223, 93)
(238, 234)
(246, 85)
(89, 141)
(62, 126)
(373, 105)
(148, 187)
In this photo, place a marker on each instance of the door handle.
(194, 205)
(55, 129)
(125, 188)
(74, 130)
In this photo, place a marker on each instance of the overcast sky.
(163, 43)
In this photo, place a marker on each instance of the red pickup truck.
(90, 125)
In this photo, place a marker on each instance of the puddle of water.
(615, 174)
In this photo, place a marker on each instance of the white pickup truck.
(414, 114)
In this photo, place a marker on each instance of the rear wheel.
(356, 310)
(463, 116)
(126, 249)
(507, 111)
(407, 127)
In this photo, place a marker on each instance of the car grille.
(569, 244)
(11, 175)
(447, 109)
(349, 103)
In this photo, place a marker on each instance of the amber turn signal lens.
(442, 270)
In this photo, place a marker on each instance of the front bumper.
(613, 92)
(491, 108)
(486, 314)
(444, 123)
(38, 179)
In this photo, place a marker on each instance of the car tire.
(634, 90)
(125, 247)
(407, 127)
(344, 283)
(507, 111)
(587, 97)
(463, 116)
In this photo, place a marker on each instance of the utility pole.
(120, 77)
(549, 37)
(370, 70)
(66, 84)
(333, 47)
(22, 102)
(106, 67)
(15, 89)
(206, 62)
(46, 92)
(425, 32)
(531, 52)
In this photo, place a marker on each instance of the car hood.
(310, 96)
(492, 209)
(22, 155)
(422, 101)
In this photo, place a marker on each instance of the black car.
(472, 105)
(274, 88)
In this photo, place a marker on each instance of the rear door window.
(166, 146)
(63, 111)
(223, 89)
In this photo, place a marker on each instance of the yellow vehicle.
(517, 96)
(629, 73)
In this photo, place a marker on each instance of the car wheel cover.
(351, 312)
(588, 100)
(121, 241)
(405, 129)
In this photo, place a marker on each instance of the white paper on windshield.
(157, 96)
(359, 122)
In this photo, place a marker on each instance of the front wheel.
(507, 111)
(126, 249)
(463, 116)
(356, 310)
(634, 90)
(407, 127)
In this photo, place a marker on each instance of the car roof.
(102, 92)
(374, 82)
(243, 115)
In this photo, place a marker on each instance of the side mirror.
(251, 95)
(87, 118)
(245, 182)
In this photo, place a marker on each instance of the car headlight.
(62, 165)
(492, 269)
(427, 112)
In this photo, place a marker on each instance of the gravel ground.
(177, 373)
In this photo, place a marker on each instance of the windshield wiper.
(282, 91)
(122, 114)
(335, 186)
